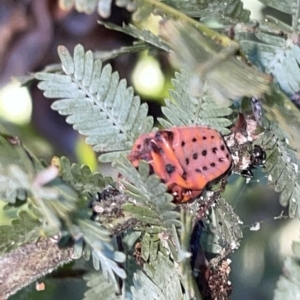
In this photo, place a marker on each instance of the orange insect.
(185, 158)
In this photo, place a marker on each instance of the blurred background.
(30, 32)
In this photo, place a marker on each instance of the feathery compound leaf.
(100, 287)
(182, 109)
(89, 6)
(103, 6)
(13, 153)
(97, 103)
(141, 34)
(24, 230)
(279, 56)
(226, 224)
(52, 198)
(154, 205)
(160, 281)
(282, 166)
(286, 6)
(136, 47)
(81, 178)
(213, 10)
(288, 285)
(102, 250)
(209, 62)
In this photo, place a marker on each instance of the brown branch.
(24, 265)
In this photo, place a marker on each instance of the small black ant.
(257, 158)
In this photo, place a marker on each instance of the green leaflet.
(99, 247)
(160, 281)
(89, 6)
(154, 206)
(97, 103)
(136, 47)
(225, 225)
(272, 45)
(81, 178)
(282, 167)
(281, 60)
(287, 286)
(25, 229)
(141, 34)
(24, 178)
(214, 11)
(208, 63)
(286, 6)
(99, 287)
(182, 109)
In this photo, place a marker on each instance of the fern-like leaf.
(288, 285)
(136, 47)
(25, 229)
(103, 254)
(81, 178)
(282, 166)
(279, 56)
(13, 153)
(98, 104)
(182, 109)
(142, 9)
(209, 62)
(158, 281)
(288, 7)
(141, 34)
(153, 205)
(89, 6)
(99, 287)
(214, 10)
(226, 225)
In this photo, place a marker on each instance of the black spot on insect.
(198, 170)
(170, 168)
(221, 159)
(222, 147)
(187, 161)
(139, 146)
(204, 138)
(182, 143)
(205, 168)
(227, 155)
(212, 137)
(214, 150)
(212, 164)
(194, 140)
(204, 152)
(195, 155)
(170, 134)
(184, 175)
